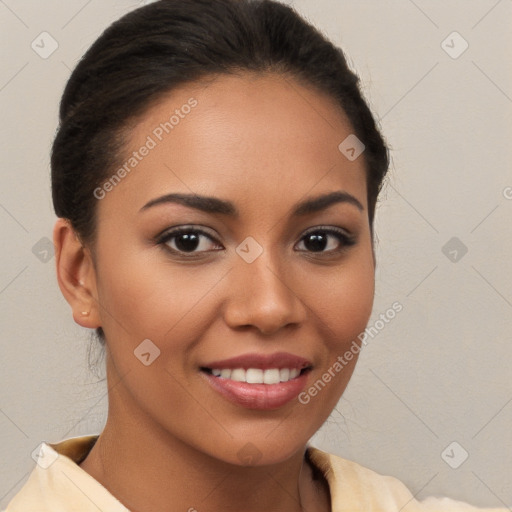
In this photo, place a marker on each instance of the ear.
(76, 275)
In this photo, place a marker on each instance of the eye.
(189, 240)
(327, 240)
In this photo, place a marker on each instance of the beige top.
(59, 484)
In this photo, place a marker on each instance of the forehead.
(253, 138)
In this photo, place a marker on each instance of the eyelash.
(345, 240)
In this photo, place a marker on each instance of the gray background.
(439, 372)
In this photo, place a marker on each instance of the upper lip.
(262, 361)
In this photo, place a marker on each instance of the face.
(264, 282)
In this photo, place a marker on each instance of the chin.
(262, 451)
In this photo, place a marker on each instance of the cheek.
(122, 287)
(355, 299)
(342, 312)
(345, 303)
(143, 298)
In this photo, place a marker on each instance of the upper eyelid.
(172, 233)
(205, 230)
(330, 229)
(185, 227)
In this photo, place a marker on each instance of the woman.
(215, 175)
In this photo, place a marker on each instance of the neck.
(148, 469)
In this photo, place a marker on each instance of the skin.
(265, 143)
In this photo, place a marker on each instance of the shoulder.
(58, 484)
(355, 487)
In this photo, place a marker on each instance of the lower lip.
(258, 396)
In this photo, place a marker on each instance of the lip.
(261, 361)
(259, 396)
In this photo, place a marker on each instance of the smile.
(257, 375)
(258, 381)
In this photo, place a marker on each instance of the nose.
(262, 297)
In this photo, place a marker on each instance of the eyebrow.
(210, 204)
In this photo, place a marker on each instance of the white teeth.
(238, 374)
(256, 375)
(271, 376)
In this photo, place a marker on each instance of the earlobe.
(76, 275)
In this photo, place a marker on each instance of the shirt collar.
(58, 480)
